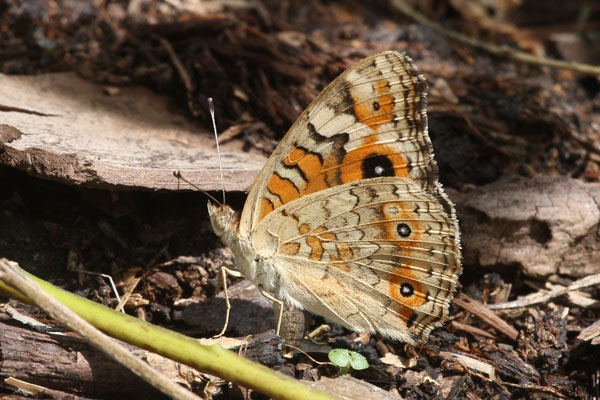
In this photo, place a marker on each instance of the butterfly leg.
(277, 304)
(224, 272)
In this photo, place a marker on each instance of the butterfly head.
(222, 218)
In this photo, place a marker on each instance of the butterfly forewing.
(367, 123)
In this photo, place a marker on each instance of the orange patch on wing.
(377, 112)
(283, 188)
(315, 241)
(311, 166)
(290, 249)
(316, 246)
(265, 208)
(391, 227)
(403, 274)
(328, 175)
(295, 155)
(304, 229)
(344, 252)
(406, 275)
(316, 184)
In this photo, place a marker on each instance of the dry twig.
(545, 296)
(486, 315)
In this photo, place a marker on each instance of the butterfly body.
(250, 263)
(347, 219)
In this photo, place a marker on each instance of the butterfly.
(347, 219)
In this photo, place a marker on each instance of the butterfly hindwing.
(376, 254)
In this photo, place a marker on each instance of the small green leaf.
(344, 358)
(340, 357)
(358, 361)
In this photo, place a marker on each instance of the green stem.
(212, 359)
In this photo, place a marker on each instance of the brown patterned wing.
(369, 122)
(380, 255)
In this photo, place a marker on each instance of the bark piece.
(60, 127)
(592, 333)
(66, 363)
(70, 364)
(546, 225)
(486, 315)
(348, 387)
(508, 364)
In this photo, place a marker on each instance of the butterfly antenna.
(211, 106)
(179, 177)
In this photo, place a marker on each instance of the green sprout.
(345, 359)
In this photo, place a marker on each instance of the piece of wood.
(486, 315)
(350, 388)
(61, 127)
(69, 364)
(544, 296)
(545, 225)
(591, 333)
(66, 363)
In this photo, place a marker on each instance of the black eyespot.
(377, 165)
(376, 105)
(406, 290)
(403, 230)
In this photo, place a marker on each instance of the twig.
(213, 359)
(187, 81)
(10, 273)
(499, 51)
(539, 388)
(471, 329)
(480, 310)
(38, 391)
(543, 296)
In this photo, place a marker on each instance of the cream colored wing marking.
(379, 254)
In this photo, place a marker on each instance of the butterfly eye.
(377, 165)
(403, 230)
(376, 105)
(406, 290)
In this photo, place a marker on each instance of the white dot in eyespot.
(406, 290)
(378, 170)
(393, 210)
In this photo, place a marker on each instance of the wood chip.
(472, 363)
(60, 127)
(544, 296)
(486, 315)
(591, 332)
